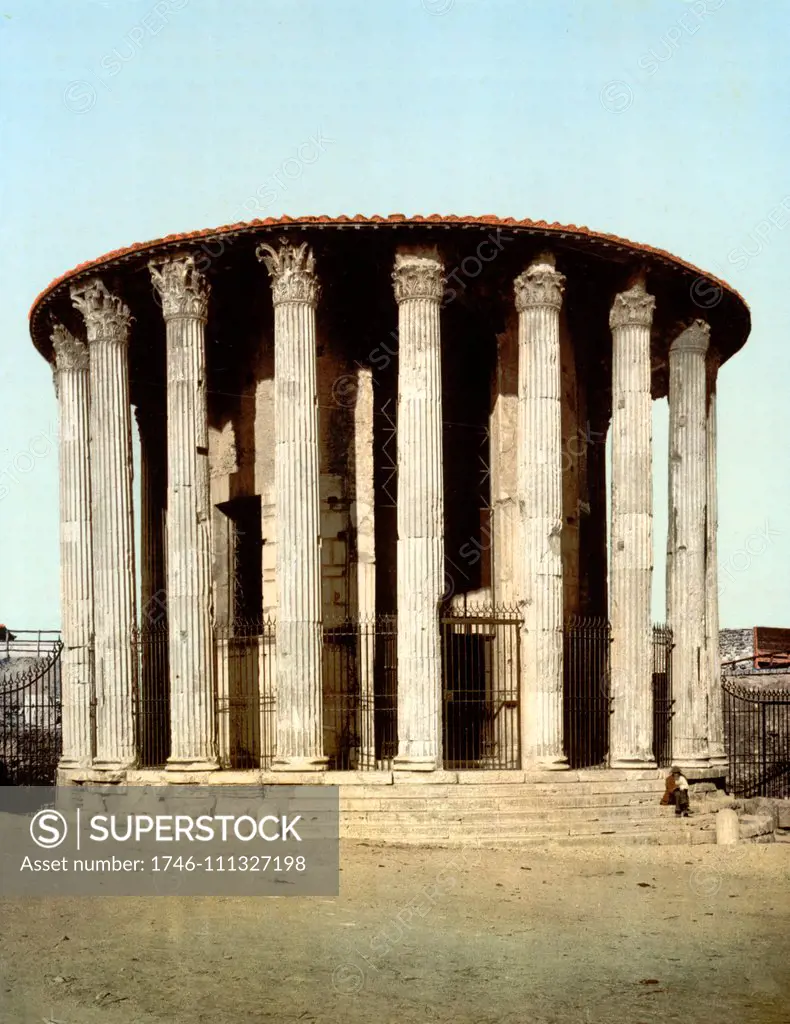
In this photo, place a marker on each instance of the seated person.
(677, 792)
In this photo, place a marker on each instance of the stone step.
(498, 791)
(396, 816)
(620, 839)
(515, 842)
(417, 832)
(524, 801)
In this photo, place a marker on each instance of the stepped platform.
(519, 809)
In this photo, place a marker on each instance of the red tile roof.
(486, 220)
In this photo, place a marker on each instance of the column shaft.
(184, 296)
(538, 299)
(364, 596)
(631, 545)
(688, 491)
(501, 733)
(718, 754)
(299, 628)
(76, 566)
(107, 323)
(420, 512)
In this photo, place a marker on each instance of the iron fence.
(587, 704)
(27, 643)
(30, 723)
(152, 694)
(481, 668)
(360, 693)
(246, 694)
(757, 736)
(386, 690)
(663, 702)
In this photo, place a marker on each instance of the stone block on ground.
(783, 813)
(754, 825)
(727, 828)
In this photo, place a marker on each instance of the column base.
(720, 761)
(415, 764)
(690, 763)
(101, 765)
(634, 763)
(547, 764)
(107, 772)
(300, 764)
(74, 763)
(175, 764)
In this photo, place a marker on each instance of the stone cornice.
(540, 285)
(70, 352)
(106, 317)
(632, 308)
(292, 270)
(417, 277)
(695, 338)
(183, 290)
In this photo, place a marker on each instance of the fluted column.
(419, 287)
(716, 747)
(296, 473)
(631, 545)
(184, 294)
(688, 496)
(76, 565)
(107, 322)
(539, 485)
(363, 517)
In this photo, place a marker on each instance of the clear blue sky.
(661, 120)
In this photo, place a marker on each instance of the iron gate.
(481, 667)
(30, 723)
(245, 693)
(152, 694)
(757, 732)
(359, 659)
(587, 704)
(663, 702)
(360, 693)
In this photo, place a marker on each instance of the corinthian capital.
(539, 285)
(632, 308)
(417, 277)
(695, 338)
(106, 317)
(292, 270)
(182, 289)
(70, 352)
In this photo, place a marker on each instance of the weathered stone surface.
(752, 826)
(686, 545)
(107, 322)
(418, 286)
(538, 294)
(299, 613)
(184, 295)
(716, 749)
(631, 544)
(363, 520)
(76, 560)
(727, 828)
(762, 806)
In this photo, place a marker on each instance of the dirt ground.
(535, 936)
